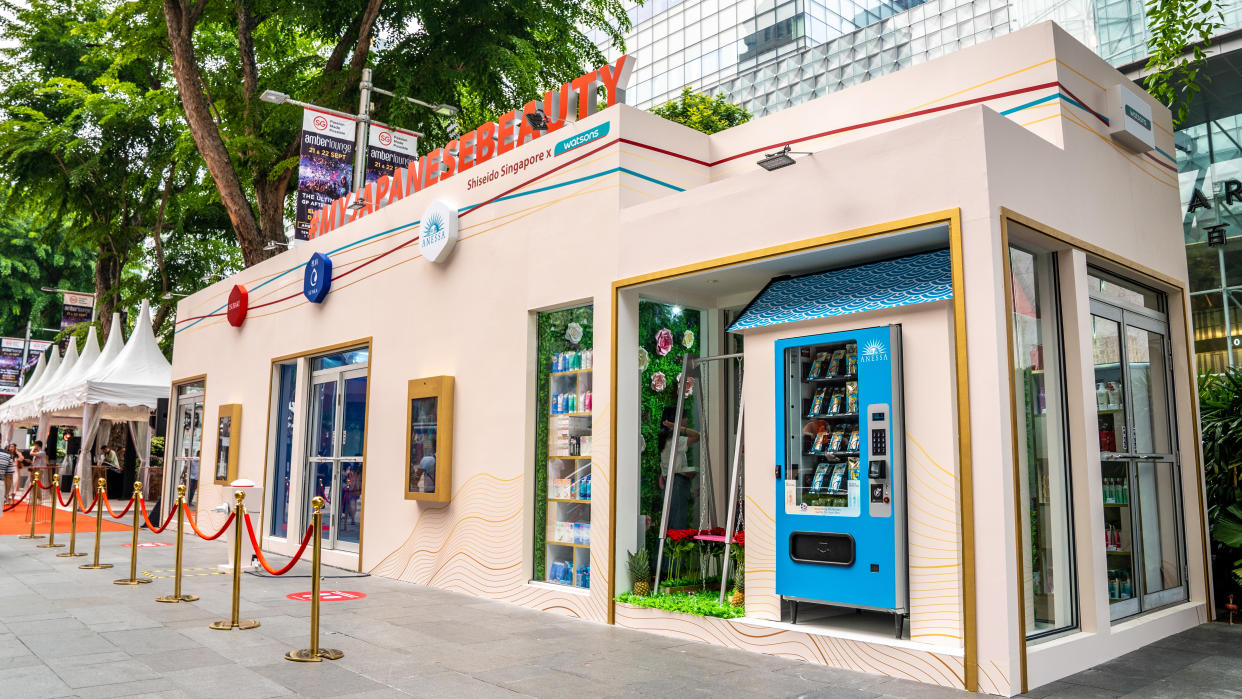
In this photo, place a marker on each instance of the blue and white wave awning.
(903, 281)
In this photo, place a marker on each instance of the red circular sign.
(327, 596)
(385, 138)
(320, 123)
(239, 303)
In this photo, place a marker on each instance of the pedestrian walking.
(8, 471)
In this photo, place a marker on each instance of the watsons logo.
(1142, 120)
(873, 351)
(581, 139)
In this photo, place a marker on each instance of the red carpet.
(17, 521)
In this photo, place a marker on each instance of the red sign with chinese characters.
(239, 303)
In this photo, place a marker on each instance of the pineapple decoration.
(639, 566)
(738, 598)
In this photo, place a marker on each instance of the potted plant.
(639, 566)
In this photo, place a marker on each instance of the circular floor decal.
(327, 596)
(149, 544)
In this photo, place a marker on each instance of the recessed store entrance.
(335, 445)
(1138, 462)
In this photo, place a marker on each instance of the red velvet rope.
(44, 487)
(63, 503)
(91, 506)
(263, 562)
(201, 535)
(154, 529)
(19, 500)
(115, 515)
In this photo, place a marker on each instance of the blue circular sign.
(318, 278)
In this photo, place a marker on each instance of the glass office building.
(767, 55)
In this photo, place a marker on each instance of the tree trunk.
(108, 268)
(207, 138)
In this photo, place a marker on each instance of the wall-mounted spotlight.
(537, 120)
(779, 159)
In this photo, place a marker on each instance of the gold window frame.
(440, 388)
(231, 412)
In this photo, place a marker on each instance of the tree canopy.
(703, 112)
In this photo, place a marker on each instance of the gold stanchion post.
(51, 528)
(239, 513)
(176, 596)
(102, 492)
(76, 501)
(34, 507)
(315, 654)
(133, 578)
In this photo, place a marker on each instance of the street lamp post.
(362, 118)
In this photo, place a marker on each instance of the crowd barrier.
(238, 518)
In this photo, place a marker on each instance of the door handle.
(778, 472)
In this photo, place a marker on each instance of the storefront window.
(1044, 482)
(282, 447)
(563, 468)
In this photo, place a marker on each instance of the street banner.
(77, 308)
(11, 361)
(326, 167)
(388, 150)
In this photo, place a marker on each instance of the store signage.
(317, 279)
(873, 351)
(239, 303)
(325, 166)
(438, 231)
(1130, 119)
(582, 139)
(574, 100)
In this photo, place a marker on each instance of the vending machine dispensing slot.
(841, 524)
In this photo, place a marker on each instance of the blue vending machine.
(840, 495)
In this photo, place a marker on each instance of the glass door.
(1142, 532)
(188, 436)
(337, 434)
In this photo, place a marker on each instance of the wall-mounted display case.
(228, 432)
(429, 441)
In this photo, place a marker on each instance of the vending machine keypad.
(878, 476)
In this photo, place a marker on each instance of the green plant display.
(550, 334)
(705, 603)
(683, 324)
(1220, 414)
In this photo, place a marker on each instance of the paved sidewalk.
(71, 632)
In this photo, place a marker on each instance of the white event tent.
(122, 382)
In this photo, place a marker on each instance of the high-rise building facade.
(767, 55)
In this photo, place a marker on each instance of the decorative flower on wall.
(573, 333)
(664, 341)
(687, 339)
(689, 385)
(658, 381)
(644, 358)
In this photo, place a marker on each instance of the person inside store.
(683, 474)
